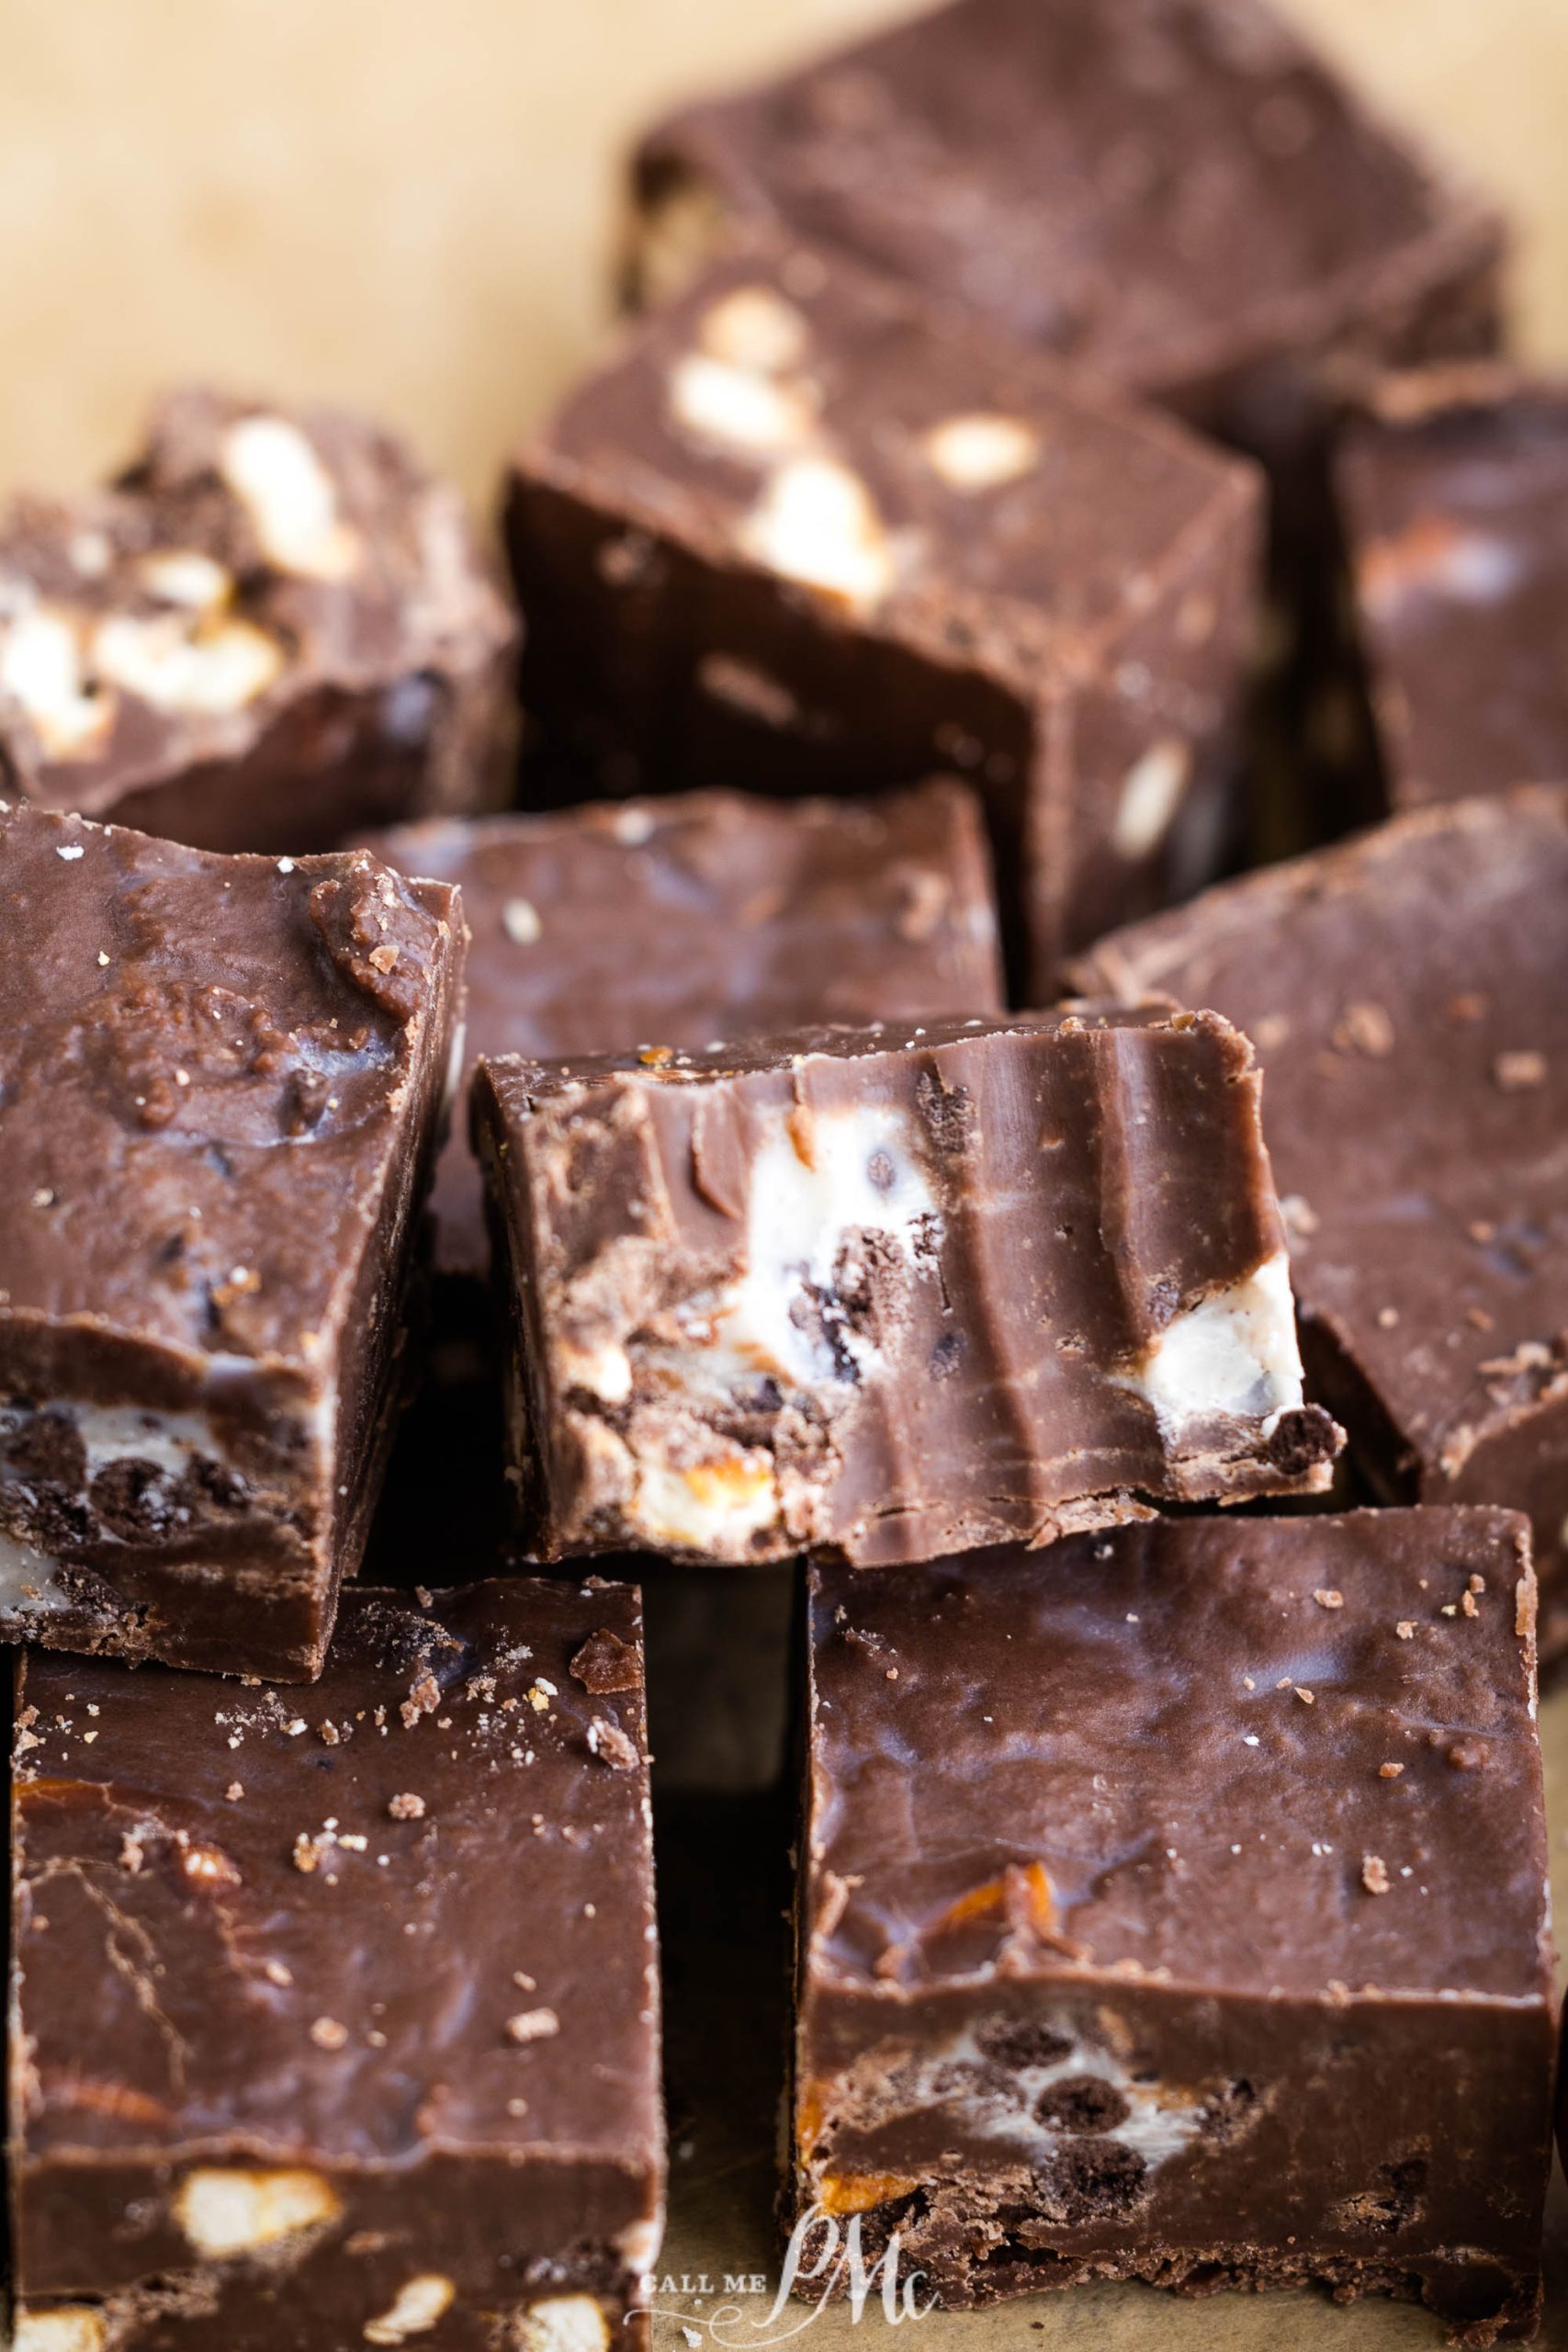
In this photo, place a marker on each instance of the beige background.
(409, 203)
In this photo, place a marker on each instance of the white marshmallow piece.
(41, 668)
(816, 522)
(1232, 1356)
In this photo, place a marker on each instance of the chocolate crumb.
(1518, 1071)
(610, 1744)
(605, 1663)
(424, 1697)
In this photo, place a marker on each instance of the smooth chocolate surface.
(336, 2010)
(1173, 1908)
(273, 629)
(794, 529)
(222, 1086)
(893, 1292)
(1179, 194)
(1454, 495)
(1404, 993)
(703, 916)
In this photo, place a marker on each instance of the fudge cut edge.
(201, 1504)
(715, 1303)
(1070, 2066)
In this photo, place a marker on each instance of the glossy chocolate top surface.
(795, 414)
(1454, 495)
(1164, 1749)
(1404, 994)
(212, 1070)
(405, 1912)
(1156, 187)
(248, 558)
(676, 921)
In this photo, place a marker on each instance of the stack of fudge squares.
(1023, 423)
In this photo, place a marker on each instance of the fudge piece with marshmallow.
(1404, 993)
(1173, 1907)
(1453, 490)
(887, 1293)
(222, 1085)
(275, 628)
(792, 530)
(341, 2007)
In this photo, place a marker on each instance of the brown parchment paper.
(409, 203)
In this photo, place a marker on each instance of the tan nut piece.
(184, 666)
(738, 410)
(419, 2302)
(816, 522)
(1151, 795)
(227, 2209)
(566, 2324)
(755, 329)
(41, 669)
(68, 2327)
(290, 497)
(981, 451)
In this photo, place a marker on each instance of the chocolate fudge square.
(338, 2009)
(1180, 195)
(1405, 995)
(893, 1292)
(222, 1082)
(703, 916)
(795, 530)
(1454, 496)
(1173, 1909)
(273, 629)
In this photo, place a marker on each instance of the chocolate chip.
(1091, 2181)
(1082, 2103)
(1021, 2041)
